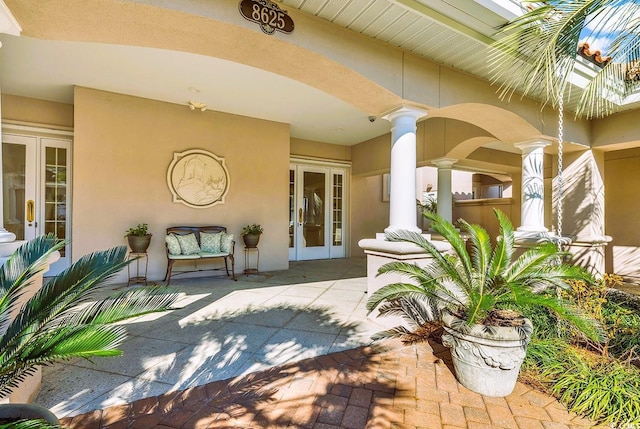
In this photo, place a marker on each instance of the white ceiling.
(49, 70)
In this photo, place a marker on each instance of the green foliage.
(476, 283)
(602, 389)
(140, 230)
(252, 229)
(29, 424)
(535, 54)
(64, 319)
(421, 315)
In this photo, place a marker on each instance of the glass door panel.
(19, 185)
(314, 208)
(35, 172)
(316, 212)
(55, 194)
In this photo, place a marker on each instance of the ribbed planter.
(139, 243)
(487, 359)
(14, 412)
(251, 240)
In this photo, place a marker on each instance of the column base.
(394, 228)
(380, 252)
(589, 253)
(533, 238)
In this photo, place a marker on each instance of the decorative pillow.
(210, 242)
(188, 244)
(225, 242)
(172, 244)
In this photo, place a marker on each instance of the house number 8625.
(266, 14)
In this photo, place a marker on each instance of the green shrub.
(603, 389)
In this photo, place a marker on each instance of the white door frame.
(330, 249)
(35, 181)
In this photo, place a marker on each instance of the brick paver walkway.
(392, 386)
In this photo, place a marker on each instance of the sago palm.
(476, 284)
(66, 318)
(536, 53)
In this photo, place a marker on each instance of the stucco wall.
(313, 149)
(622, 207)
(34, 111)
(122, 148)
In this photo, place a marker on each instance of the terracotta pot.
(139, 243)
(251, 240)
(487, 359)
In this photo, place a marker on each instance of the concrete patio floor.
(280, 349)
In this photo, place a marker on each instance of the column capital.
(531, 145)
(404, 111)
(444, 162)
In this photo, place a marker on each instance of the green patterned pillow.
(188, 244)
(172, 244)
(225, 242)
(210, 242)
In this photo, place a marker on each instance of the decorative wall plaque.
(267, 15)
(198, 178)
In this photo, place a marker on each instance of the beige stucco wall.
(122, 148)
(622, 208)
(312, 149)
(33, 111)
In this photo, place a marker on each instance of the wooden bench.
(202, 255)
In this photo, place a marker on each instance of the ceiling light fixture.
(193, 105)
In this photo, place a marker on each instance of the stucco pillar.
(402, 199)
(532, 214)
(445, 204)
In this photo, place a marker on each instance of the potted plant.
(251, 235)
(138, 238)
(63, 320)
(480, 295)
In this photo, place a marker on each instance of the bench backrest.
(185, 230)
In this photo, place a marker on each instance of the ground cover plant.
(598, 380)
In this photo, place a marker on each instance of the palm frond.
(564, 309)
(536, 53)
(122, 306)
(17, 273)
(391, 292)
(452, 235)
(60, 321)
(29, 424)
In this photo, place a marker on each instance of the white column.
(445, 204)
(402, 197)
(532, 217)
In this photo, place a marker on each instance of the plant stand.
(141, 270)
(247, 257)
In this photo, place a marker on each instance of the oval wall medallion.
(198, 178)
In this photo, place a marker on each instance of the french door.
(35, 189)
(317, 214)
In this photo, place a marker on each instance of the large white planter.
(487, 359)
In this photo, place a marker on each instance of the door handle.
(300, 216)
(30, 211)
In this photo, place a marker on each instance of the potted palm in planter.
(63, 320)
(138, 238)
(251, 235)
(477, 296)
